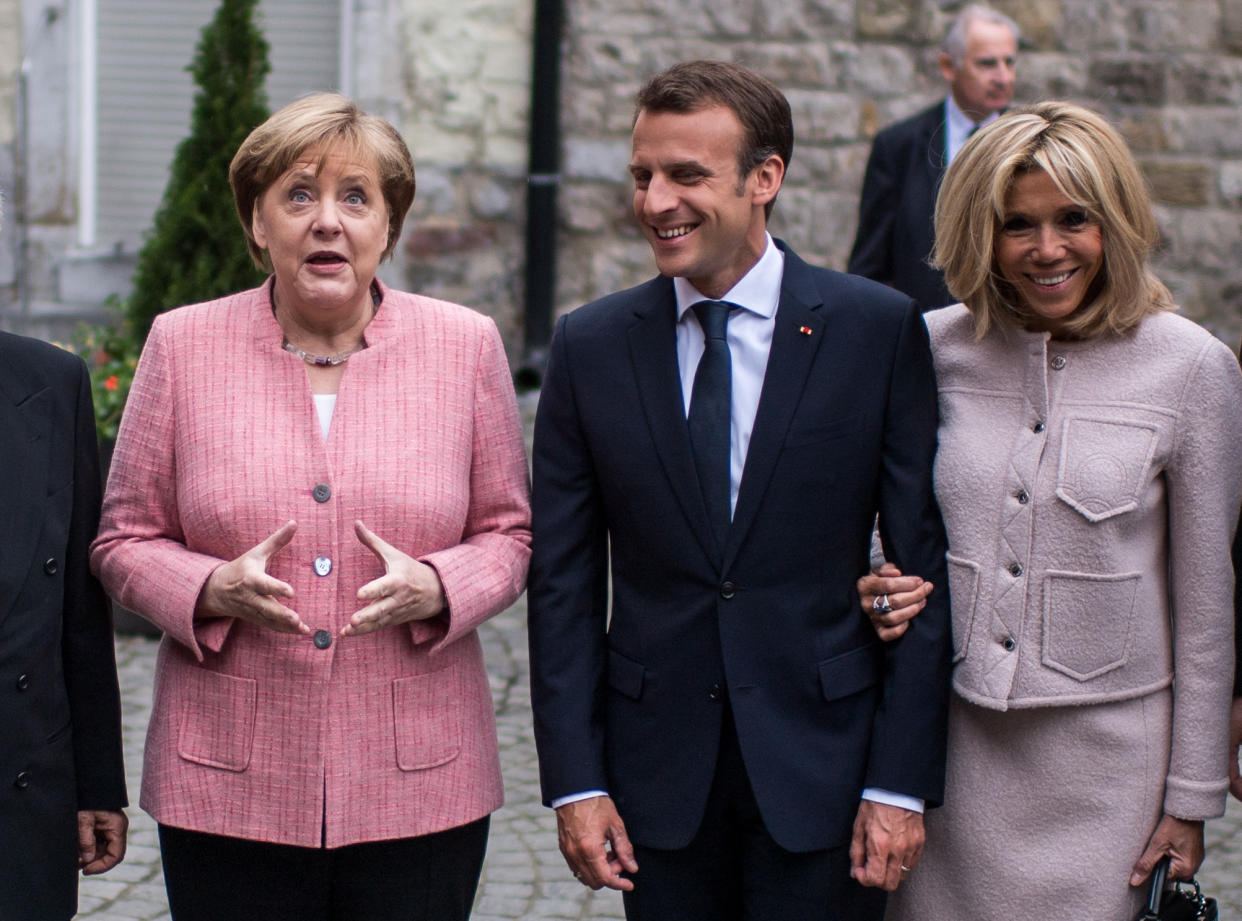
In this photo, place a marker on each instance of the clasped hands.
(887, 844)
(242, 588)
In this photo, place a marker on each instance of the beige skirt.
(1046, 811)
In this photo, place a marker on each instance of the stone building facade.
(456, 78)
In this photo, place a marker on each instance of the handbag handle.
(1156, 894)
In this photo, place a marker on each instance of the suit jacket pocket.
(625, 675)
(1087, 620)
(426, 712)
(1103, 465)
(963, 595)
(217, 720)
(849, 672)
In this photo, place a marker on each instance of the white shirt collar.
(758, 291)
(959, 125)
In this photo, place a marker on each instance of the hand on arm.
(408, 590)
(594, 843)
(1180, 839)
(887, 843)
(101, 839)
(242, 588)
(907, 595)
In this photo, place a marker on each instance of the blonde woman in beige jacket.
(1088, 477)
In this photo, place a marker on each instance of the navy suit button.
(23, 682)
(715, 692)
(1015, 570)
(322, 639)
(50, 566)
(22, 781)
(1009, 644)
(1037, 428)
(727, 590)
(1023, 497)
(322, 492)
(1058, 362)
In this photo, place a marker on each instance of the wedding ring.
(904, 868)
(881, 605)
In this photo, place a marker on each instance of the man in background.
(895, 214)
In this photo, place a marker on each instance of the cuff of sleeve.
(1194, 800)
(888, 798)
(576, 797)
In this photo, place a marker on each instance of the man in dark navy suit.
(908, 159)
(719, 730)
(62, 783)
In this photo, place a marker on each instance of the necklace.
(322, 361)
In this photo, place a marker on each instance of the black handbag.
(1172, 902)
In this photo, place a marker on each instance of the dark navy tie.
(711, 402)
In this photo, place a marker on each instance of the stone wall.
(1167, 72)
(455, 76)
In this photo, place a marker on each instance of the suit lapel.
(23, 467)
(653, 353)
(796, 339)
(937, 159)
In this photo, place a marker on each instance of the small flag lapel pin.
(805, 330)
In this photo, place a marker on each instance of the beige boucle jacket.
(1090, 490)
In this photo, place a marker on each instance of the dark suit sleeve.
(86, 643)
(567, 593)
(908, 743)
(872, 254)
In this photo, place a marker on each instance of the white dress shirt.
(958, 127)
(751, 324)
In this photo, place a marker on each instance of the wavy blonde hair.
(1092, 166)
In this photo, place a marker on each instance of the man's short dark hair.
(763, 110)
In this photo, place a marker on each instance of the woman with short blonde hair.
(1087, 472)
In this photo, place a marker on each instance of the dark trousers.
(734, 871)
(427, 878)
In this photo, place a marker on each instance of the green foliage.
(111, 354)
(196, 250)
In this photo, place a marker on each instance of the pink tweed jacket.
(268, 736)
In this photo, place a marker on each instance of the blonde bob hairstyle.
(330, 123)
(1091, 165)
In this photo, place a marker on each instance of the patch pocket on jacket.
(1104, 465)
(217, 720)
(426, 714)
(963, 595)
(1087, 620)
(625, 676)
(848, 673)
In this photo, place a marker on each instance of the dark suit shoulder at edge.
(26, 363)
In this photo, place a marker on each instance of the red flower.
(110, 383)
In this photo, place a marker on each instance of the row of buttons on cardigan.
(323, 565)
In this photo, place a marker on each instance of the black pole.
(541, 184)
